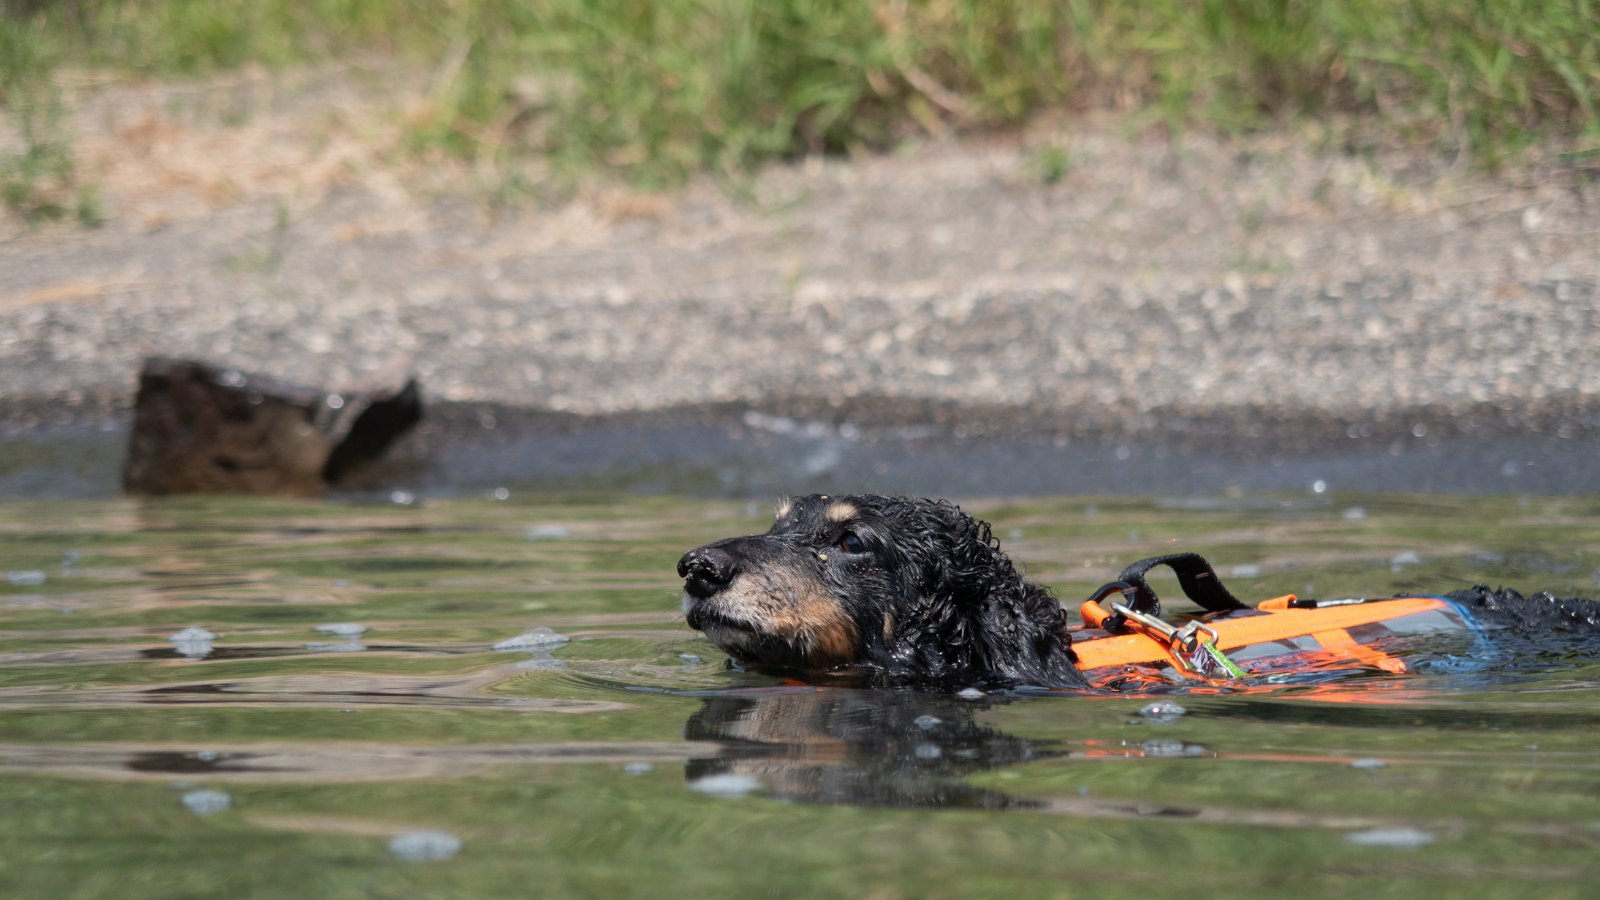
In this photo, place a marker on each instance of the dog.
(916, 593)
(911, 592)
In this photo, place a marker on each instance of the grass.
(657, 89)
(37, 178)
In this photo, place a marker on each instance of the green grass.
(658, 89)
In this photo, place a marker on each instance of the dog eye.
(852, 544)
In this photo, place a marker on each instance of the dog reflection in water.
(853, 747)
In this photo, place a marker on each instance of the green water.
(631, 762)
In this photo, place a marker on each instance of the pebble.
(425, 846)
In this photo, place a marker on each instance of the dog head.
(914, 588)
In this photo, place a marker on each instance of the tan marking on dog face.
(784, 603)
(842, 511)
(783, 508)
(888, 626)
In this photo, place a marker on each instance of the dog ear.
(961, 561)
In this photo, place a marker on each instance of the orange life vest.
(1307, 634)
(1273, 625)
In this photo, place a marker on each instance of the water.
(726, 453)
(399, 755)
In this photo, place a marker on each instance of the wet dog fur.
(913, 592)
(918, 593)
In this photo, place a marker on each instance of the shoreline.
(1247, 297)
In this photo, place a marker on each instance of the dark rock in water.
(373, 431)
(198, 429)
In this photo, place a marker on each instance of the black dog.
(918, 593)
(914, 589)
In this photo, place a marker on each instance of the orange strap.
(1326, 625)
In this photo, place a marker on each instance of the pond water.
(403, 756)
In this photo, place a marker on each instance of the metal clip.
(1186, 645)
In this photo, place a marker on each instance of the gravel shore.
(1212, 277)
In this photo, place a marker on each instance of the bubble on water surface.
(1162, 711)
(1400, 560)
(26, 577)
(206, 755)
(1168, 749)
(71, 558)
(538, 638)
(1355, 514)
(546, 532)
(691, 659)
(541, 659)
(1367, 763)
(1395, 838)
(637, 768)
(970, 694)
(929, 751)
(335, 647)
(193, 642)
(926, 722)
(425, 846)
(726, 784)
(1246, 571)
(206, 802)
(342, 629)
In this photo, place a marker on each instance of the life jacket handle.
(1198, 580)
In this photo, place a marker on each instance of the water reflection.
(855, 747)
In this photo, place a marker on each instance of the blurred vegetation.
(37, 177)
(660, 88)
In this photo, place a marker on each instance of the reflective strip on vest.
(1325, 627)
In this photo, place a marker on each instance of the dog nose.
(707, 570)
